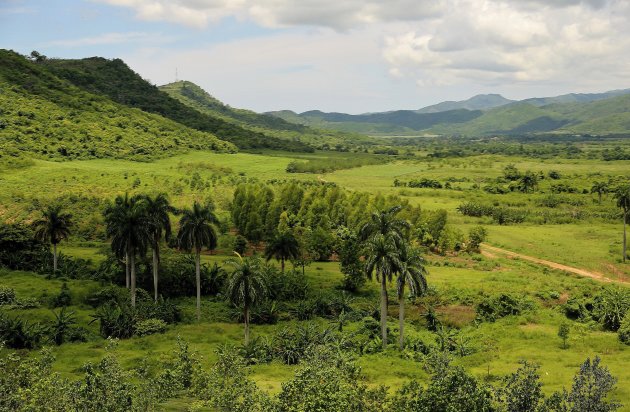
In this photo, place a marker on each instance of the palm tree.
(196, 231)
(382, 257)
(411, 272)
(129, 228)
(622, 195)
(283, 246)
(246, 286)
(384, 222)
(53, 227)
(600, 188)
(158, 209)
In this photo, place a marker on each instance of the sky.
(351, 56)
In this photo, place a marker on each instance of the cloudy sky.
(351, 56)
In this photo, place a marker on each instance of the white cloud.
(113, 38)
(372, 52)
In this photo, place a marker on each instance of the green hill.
(44, 116)
(114, 79)
(195, 97)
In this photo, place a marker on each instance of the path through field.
(492, 251)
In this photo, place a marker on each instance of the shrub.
(476, 236)
(290, 345)
(150, 327)
(495, 307)
(624, 330)
(7, 296)
(64, 298)
(105, 295)
(18, 333)
(611, 306)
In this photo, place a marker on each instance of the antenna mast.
(176, 80)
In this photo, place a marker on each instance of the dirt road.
(492, 251)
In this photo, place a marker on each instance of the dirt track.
(490, 252)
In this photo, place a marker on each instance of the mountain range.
(596, 113)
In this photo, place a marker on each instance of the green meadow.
(591, 241)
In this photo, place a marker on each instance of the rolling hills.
(598, 113)
(44, 116)
(114, 79)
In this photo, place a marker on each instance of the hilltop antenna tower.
(176, 80)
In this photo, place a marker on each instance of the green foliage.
(7, 295)
(63, 299)
(498, 306)
(149, 327)
(521, 391)
(624, 330)
(611, 307)
(476, 236)
(48, 117)
(328, 165)
(114, 79)
(563, 333)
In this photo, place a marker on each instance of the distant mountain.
(398, 121)
(114, 79)
(595, 113)
(575, 98)
(42, 115)
(479, 102)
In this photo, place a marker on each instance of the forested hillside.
(114, 79)
(44, 116)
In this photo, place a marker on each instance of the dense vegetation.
(45, 116)
(114, 79)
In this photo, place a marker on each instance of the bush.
(290, 345)
(150, 327)
(498, 306)
(7, 296)
(18, 333)
(105, 295)
(64, 298)
(624, 330)
(611, 307)
(476, 236)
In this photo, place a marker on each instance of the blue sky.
(351, 56)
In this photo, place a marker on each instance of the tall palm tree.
(622, 195)
(246, 286)
(382, 257)
(411, 272)
(129, 228)
(600, 188)
(158, 209)
(53, 227)
(196, 231)
(386, 223)
(282, 246)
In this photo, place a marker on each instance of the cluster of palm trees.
(388, 253)
(137, 223)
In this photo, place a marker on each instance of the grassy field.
(589, 243)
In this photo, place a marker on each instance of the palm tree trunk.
(155, 273)
(246, 324)
(133, 279)
(625, 218)
(54, 257)
(282, 264)
(401, 321)
(384, 310)
(198, 279)
(127, 276)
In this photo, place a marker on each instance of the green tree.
(528, 182)
(283, 246)
(246, 287)
(386, 223)
(622, 196)
(411, 272)
(129, 228)
(158, 210)
(601, 188)
(563, 333)
(382, 257)
(53, 227)
(196, 231)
